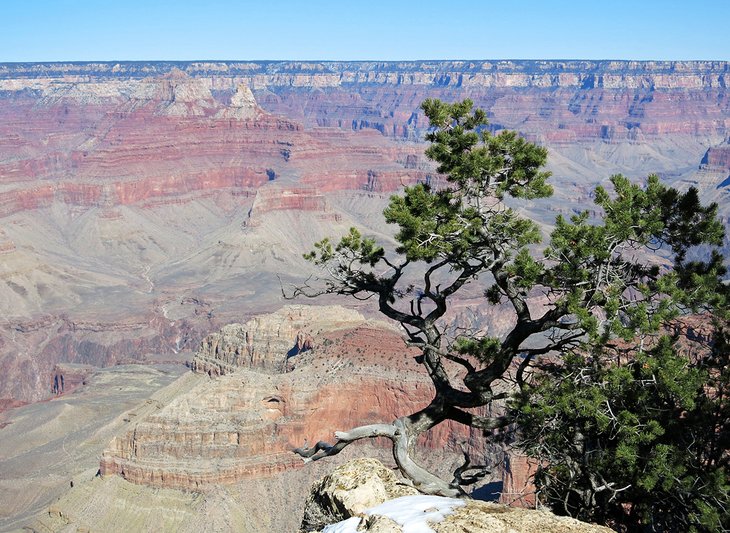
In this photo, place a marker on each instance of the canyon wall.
(129, 191)
(117, 199)
(556, 101)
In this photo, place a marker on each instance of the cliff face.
(556, 101)
(717, 158)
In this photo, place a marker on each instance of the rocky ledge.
(717, 158)
(364, 495)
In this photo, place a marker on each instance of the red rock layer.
(518, 488)
(717, 158)
(245, 423)
(106, 148)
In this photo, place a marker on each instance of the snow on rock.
(346, 526)
(412, 513)
(364, 495)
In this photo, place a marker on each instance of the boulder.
(349, 490)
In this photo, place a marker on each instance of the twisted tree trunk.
(403, 433)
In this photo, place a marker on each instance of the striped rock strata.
(244, 423)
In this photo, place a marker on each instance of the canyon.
(168, 438)
(181, 191)
(151, 213)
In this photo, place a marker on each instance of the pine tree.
(597, 275)
(637, 440)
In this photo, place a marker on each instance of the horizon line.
(605, 60)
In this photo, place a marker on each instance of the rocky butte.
(222, 433)
(279, 380)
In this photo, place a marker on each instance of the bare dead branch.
(323, 449)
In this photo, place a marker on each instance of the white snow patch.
(412, 513)
(346, 526)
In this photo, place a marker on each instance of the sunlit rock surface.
(363, 495)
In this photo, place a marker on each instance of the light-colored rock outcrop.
(363, 495)
(484, 517)
(243, 105)
(267, 341)
(349, 490)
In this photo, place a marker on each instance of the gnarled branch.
(403, 439)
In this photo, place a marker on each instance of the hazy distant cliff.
(503, 73)
(556, 101)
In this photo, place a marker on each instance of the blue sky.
(86, 30)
